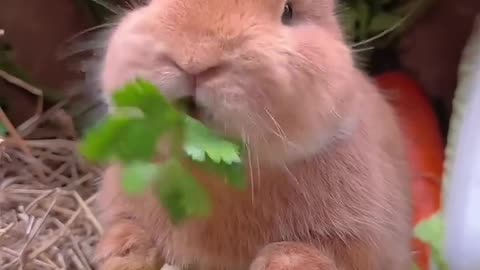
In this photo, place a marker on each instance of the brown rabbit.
(329, 184)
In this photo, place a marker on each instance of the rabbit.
(327, 170)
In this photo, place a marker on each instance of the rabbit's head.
(277, 74)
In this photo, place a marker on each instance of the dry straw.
(47, 194)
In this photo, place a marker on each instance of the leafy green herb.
(200, 142)
(100, 142)
(182, 195)
(3, 130)
(415, 267)
(131, 134)
(383, 21)
(432, 232)
(138, 176)
(363, 14)
(349, 20)
(213, 153)
(372, 19)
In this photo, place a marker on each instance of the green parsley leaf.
(3, 130)
(432, 232)
(383, 21)
(99, 144)
(138, 142)
(146, 97)
(142, 95)
(182, 195)
(130, 135)
(234, 174)
(214, 153)
(363, 15)
(138, 176)
(200, 142)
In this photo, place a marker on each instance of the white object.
(169, 267)
(462, 166)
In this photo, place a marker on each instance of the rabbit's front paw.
(291, 256)
(125, 246)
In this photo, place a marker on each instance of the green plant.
(364, 19)
(3, 130)
(432, 232)
(367, 22)
(142, 123)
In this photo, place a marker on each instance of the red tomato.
(425, 149)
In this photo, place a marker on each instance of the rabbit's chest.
(231, 237)
(220, 242)
(242, 223)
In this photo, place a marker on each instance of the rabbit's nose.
(198, 73)
(198, 65)
(202, 57)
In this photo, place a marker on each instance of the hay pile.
(47, 218)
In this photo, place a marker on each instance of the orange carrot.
(425, 148)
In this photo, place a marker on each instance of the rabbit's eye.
(287, 13)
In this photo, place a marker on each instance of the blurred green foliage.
(131, 135)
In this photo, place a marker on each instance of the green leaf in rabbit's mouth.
(130, 135)
(189, 106)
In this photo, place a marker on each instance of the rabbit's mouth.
(197, 111)
(190, 106)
